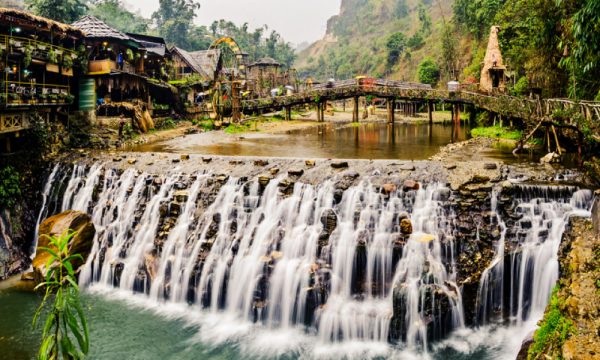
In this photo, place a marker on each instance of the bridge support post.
(430, 112)
(391, 104)
(288, 113)
(355, 112)
(321, 111)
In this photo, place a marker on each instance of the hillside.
(357, 39)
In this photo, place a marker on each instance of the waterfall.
(537, 224)
(341, 267)
(44, 210)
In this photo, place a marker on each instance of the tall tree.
(174, 20)
(66, 11)
(114, 13)
(395, 46)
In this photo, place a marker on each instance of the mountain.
(358, 40)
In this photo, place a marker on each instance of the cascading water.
(343, 268)
(519, 286)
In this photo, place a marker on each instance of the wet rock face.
(58, 225)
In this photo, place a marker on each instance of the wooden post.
(322, 106)
(430, 112)
(391, 103)
(288, 113)
(355, 112)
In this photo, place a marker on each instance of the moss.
(554, 330)
(497, 132)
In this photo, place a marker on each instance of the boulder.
(339, 165)
(490, 166)
(310, 163)
(550, 158)
(261, 163)
(296, 172)
(411, 185)
(185, 157)
(389, 188)
(406, 226)
(131, 161)
(181, 196)
(58, 225)
(264, 180)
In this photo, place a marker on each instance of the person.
(120, 60)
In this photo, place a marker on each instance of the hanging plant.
(130, 55)
(82, 58)
(138, 56)
(52, 56)
(27, 55)
(67, 62)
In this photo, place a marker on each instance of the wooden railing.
(13, 122)
(39, 49)
(18, 94)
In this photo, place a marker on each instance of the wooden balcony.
(13, 122)
(104, 67)
(39, 50)
(26, 94)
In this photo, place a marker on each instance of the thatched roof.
(204, 62)
(153, 44)
(207, 61)
(267, 61)
(97, 29)
(38, 23)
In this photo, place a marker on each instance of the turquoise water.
(130, 327)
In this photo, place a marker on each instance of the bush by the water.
(554, 329)
(10, 189)
(497, 132)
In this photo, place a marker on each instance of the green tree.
(174, 20)
(66, 11)
(116, 15)
(429, 72)
(477, 16)
(395, 45)
(65, 334)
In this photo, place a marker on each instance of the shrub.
(10, 189)
(429, 72)
(65, 323)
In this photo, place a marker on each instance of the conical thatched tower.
(492, 73)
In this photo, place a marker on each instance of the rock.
(60, 224)
(339, 165)
(310, 163)
(407, 167)
(406, 226)
(176, 160)
(389, 188)
(490, 166)
(274, 171)
(131, 161)
(329, 220)
(181, 196)
(296, 172)
(185, 157)
(222, 178)
(175, 208)
(550, 158)
(410, 185)
(276, 255)
(206, 160)
(264, 180)
(261, 163)
(451, 167)
(117, 159)
(522, 355)
(236, 162)
(479, 179)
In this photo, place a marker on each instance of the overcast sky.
(296, 20)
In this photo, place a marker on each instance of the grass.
(497, 132)
(251, 125)
(554, 329)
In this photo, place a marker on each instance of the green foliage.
(165, 124)
(428, 72)
(497, 132)
(174, 20)
(114, 13)
(27, 56)
(205, 124)
(396, 43)
(425, 19)
(66, 11)
(130, 55)
(239, 128)
(521, 87)
(65, 333)
(10, 188)
(477, 16)
(415, 41)
(67, 61)
(554, 329)
(52, 56)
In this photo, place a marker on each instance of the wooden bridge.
(530, 110)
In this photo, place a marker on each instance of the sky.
(296, 20)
